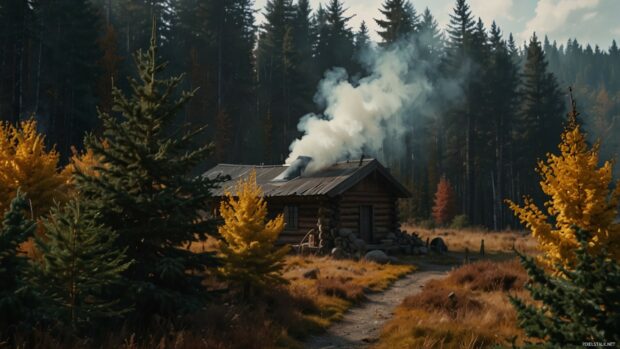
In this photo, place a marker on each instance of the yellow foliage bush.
(250, 259)
(579, 196)
(25, 163)
(85, 162)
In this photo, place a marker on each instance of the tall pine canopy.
(400, 20)
(145, 190)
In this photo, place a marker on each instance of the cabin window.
(291, 217)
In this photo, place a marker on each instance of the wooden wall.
(372, 191)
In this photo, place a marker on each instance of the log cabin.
(357, 195)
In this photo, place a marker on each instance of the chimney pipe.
(295, 170)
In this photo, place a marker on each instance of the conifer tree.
(250, 259)
(26, 163)
(81, 261)
(400, 20)
(335, 42)
(579, 196)
(362, 38)
(580, 306)
(444, 208)
(146, 193)
(430, 39)
(14, 302)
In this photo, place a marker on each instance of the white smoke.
(358, 117)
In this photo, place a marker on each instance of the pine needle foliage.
(16, 229)
(80, 262)
(145, 191)
(579, 195)
(583, 305)
(249, 257)
(26, 163)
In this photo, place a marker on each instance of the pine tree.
(250, 259)
(579, 196)
(401, 20)
(335, 41)
(14, 301)
(540, 116)
(580, 306)
(430, 39)
(444, 208)
(81, 261)
(146, 193)
(361, 39)
(25, 163)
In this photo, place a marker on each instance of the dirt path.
(361, 325)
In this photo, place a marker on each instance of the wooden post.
(466, 255)
(482, 247)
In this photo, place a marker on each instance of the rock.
(394, 260)
(360, 245)
(338, 253)
(423, 250)
(377, 256)
(345, 232)
(312, 274)
(438, 245)
(352, 238)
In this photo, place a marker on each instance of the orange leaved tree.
(250, 259)
(25, 163)
(579, 197)
(444, 208)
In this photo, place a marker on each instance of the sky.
(590, 21)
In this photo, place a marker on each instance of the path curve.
(362, 325)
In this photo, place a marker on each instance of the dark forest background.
(59, 59)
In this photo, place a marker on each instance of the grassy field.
(477, 315)
(494, 241)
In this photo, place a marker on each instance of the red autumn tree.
(444, 208)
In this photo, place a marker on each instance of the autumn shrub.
(26, 164)
(342, 288)
(459, 222)
(580, 194)
(444, 208)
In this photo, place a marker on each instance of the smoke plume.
(360, 116)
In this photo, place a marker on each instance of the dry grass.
(478, 315)
(494, 241)
(280, 318)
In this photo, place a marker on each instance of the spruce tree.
(430, 39)
(335, 43)
(400, 20)
(145, 190)
(14, 300)
(540, 115)
(581, 305)
(81, 261)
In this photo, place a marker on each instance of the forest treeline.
(255, 80)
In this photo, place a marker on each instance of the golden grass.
(279, 318)
(339, 284)
(494, 241)
(478, 315)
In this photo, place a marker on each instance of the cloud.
(588, 16)
(552, 15)
(492, 10)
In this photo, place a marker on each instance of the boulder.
(360, 245)
(377, 256)
(311, 274)
(338, 253)
(394, 260)
(423, 250)
(438, 245)
(352, 238)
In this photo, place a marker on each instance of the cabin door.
(366, 223)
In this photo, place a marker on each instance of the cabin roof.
(331, 181)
